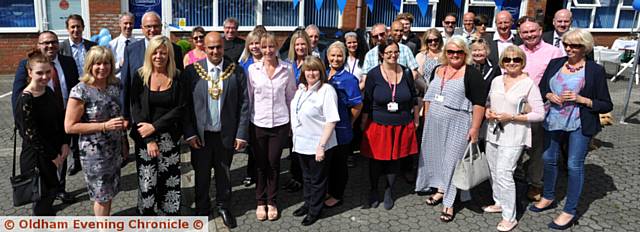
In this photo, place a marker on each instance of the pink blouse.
(270, 98)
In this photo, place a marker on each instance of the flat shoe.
(261, 213)
(272, 213)
(535, 209)
(501, 227)
(492, 209)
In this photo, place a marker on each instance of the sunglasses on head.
(431, 41)
(517, 60)
(568, 45)
(459, 52)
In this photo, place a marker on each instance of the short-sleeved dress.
(100, 153)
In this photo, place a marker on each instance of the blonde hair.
(425, 36)
(483, 43)
(99, 54)
(579, 36)
(300, 34)
(251, 37)
(147, 68)
(342, 47)
(512, 49)
(460, 43)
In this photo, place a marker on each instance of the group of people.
(411, 104)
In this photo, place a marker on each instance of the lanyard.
(302, 100)
(353, 67)
(444, 76)
(393, 89)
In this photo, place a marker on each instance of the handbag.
(27, 187)
(472, 169)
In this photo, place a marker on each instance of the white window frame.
(37, 5)
(596, 3)
(620, 7)
(63, 33)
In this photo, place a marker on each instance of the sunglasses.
(458, 52)
(198, 37)
(480, 24)
(481, 40)
(432, 41)
(516, 60)
(449, 22)
(576, 46)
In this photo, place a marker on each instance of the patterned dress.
(101, 152)
(444, 137)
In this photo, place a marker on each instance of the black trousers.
(315, 177)
(44, 206)
(338, 171)
(251, 163)
(380, 167)
(267, 148)
(215, 155)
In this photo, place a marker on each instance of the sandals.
(261, 212)
(506, 226)
(432, 201)
(272, 213)
(492, 209)
(446, 217)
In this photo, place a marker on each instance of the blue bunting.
(295, 3)
(396, 4)
(499, 4)
(319, 4)
(370, 5)
(341, 5)
(458, 3)
(424, 6)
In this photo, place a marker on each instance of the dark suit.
(493, 45)
(70, 72)
(548, 38)
(233, 48)
(595, 88)
(65, 47)
(218, 146)
(133, 60)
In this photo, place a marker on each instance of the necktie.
(213, 103)
(126, 43)
(557, 42)
(57, 90)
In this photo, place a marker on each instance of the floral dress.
(101, 152)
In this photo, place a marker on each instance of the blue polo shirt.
(245, 64)
(346, 86)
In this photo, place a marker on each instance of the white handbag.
(472, 169)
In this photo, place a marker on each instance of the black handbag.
(27, 187)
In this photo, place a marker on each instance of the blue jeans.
(577, 149)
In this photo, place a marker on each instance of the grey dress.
(444, 137)
(100, 153)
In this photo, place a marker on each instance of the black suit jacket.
(65, 47)
(493, 45)
(20, 82)
(234, 108)
(133, 60)
(170, 122)
(548, 38)
(595, 88)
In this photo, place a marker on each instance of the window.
(603, 15)
(385, 12)
(280, 13)
(18, 16)
(29, 16)
(327, 17)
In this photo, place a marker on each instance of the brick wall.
(13, 48)
(104, 14)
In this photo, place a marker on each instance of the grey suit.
(218, 146)
(65, 49)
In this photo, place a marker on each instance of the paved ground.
(609, 202)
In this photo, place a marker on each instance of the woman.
(578, 92)
(349, 107)
(158, 103)
(429, 53)
(299, 48)
(481, 23)
(389, 121)
(314, 113)
(271, 87)
(480, 59)
(93, 112)
(510, 130)
(39, 119)
(356, 51)
(453, 106)
(197, 53)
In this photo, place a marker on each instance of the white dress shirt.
(117, 46)
(63, 81)
(311, 109)
(502, 44)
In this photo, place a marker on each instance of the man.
(449, 26)
(76, 46)
(134, 56)
(221, 125)
(233, 45)
(126, 22)
(317, 49)
(397, 32)
(65, 76)
(503, 37)
(371, 60)
(561, 23)
(407, 19)
(468, 26)
(538, 54)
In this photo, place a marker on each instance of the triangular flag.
(295, 3)
(370, 5)
(396, 4)
(319, 4)
(458, 3)
(499, 4)
(424, 6)
(341, 5)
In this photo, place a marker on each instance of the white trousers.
(502, 162)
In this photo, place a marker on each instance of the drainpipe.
(358, 13)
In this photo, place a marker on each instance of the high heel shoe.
(535, 209)
(573, 221)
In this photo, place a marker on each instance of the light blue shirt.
(77, 50)
(405, 59)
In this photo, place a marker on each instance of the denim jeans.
(577, 150)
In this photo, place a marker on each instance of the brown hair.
(312, 63)
(74, 17)
(36, 56)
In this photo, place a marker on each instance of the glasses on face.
(572, 46)
(199, 37)
(456, 52)
(516, 60)
(50, 42)
(449, 22)
(481, 40)
(229, 28)
(155, 26)
(379, 35)
(432, 41)
(480, 24)
(215, 47)
(391, 52)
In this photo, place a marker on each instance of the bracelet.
(104, 127)
(513, 117)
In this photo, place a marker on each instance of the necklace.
(573, 68)
(214, 90)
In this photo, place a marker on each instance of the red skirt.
(386, 142)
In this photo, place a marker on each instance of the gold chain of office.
(214, 91)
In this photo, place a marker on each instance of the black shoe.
(388, 199)
(351, 161)
(228, 218)
(573, 221)
(427, 192)
(302, 211)
(74, 169)
(248, 181)
(309, 220)
(65, 197)
(373, 201)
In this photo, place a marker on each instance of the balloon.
(636, 5)
(104, 31)
(95, 38)
(104, 41)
